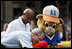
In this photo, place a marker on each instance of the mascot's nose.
(50, 28)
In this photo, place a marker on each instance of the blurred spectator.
(67, 20)
(33, 24)
(64, 32)
(68, 32)
(4, 30)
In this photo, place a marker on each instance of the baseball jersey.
(54, 40)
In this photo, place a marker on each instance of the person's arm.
(11, 27)
(25, 41)
(66, 35)
(58, 41)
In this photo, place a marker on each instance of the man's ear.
(39, 16)
(61, 21)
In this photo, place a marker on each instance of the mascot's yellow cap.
(51, 13)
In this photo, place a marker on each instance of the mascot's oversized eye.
(46, 24)
(54, 25)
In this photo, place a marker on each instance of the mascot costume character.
(49, 22)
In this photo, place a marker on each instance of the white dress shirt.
(18, 25)
(17, 39)
(3, 34)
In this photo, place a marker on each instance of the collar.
(21, 20)
(50, 37)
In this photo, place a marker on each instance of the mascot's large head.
(48, 21)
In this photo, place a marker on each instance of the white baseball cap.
(51, 13)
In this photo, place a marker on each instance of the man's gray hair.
(37, 31)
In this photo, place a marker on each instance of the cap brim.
(51, 18)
